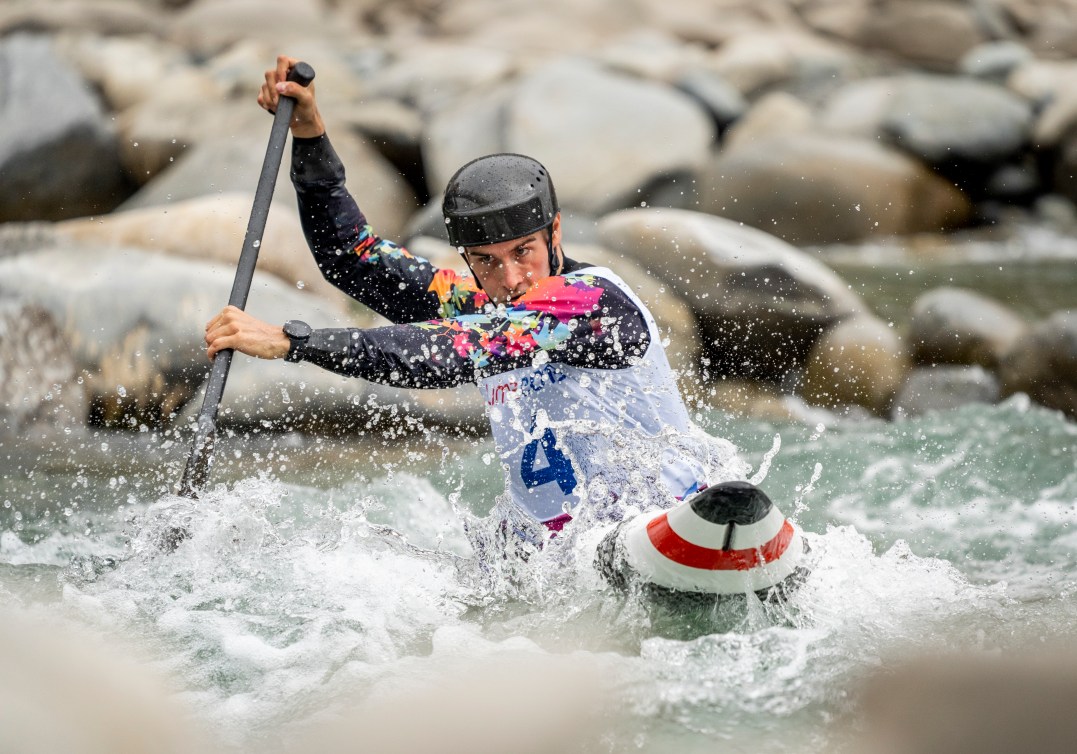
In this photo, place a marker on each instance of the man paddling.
(582, 402)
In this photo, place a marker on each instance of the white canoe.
(728, 539)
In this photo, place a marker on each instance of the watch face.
(293, 328)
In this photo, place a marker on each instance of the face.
(509, 269)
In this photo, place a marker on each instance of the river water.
(946, 532)
(320, 575)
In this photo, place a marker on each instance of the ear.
(555, 231)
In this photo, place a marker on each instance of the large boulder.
(928, 34)
(135, 320)
(812, 189)
(208, 27)
(58, 151)
(39, 389)
(772, 116)
(210, 228)
(80, 16)
(944, 388)
(959, 326)
(760, 303)
(858, 362)
(1044, 364)
(755, 60)
(941, 120)
(558, 114)
(229, 165)
(433, 75)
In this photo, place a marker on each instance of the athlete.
(568, 359)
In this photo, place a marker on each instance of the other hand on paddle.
(234, 328)
(306, 120)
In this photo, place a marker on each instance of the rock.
(39, 389)
(581, 107)
(81, 16)
(395, 130)
(127, 70)
(755, 60)
(720, 98)
(994, 61)
(813, 189)
(944, 388)
(959, 326)
(859, 361)
(58, 153)
(759, 302)
(1044, 364)
(208, 27)
(135, 320)
(938, 119)
(161, 130)
(1040, 81)
(436, 74)
(933, 35)
(649, 54)
(211, 228)
(230, 165)
(772, 116)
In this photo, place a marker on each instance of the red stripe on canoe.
(678, 549)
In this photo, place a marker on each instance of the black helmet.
(497, 198)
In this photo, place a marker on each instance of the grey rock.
(938, 119)
(593, 129)
(994, 61)
(58, 153)
(39, 386)
(81, 16)
(959, 326)
(1044, 364)
(824, 189)
(944, 388)
(929, 34)
(720, 98)
(134, 321)
(233, 165)
(760, 303)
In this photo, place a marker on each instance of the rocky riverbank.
(710, 151)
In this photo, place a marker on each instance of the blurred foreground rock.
(973, 704)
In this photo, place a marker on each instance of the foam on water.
(287, 602)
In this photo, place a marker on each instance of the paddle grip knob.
(301, 73)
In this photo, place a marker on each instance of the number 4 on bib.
(557, 469)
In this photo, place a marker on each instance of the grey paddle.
(201, 459)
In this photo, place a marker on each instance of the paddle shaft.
(201, 459)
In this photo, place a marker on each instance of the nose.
(514, 278)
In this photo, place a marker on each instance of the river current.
(318, 576)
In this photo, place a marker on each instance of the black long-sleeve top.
(445, 330)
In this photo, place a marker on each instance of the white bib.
(557, 427)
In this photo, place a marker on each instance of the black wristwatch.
(298, 332)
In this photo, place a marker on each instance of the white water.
(292, 607)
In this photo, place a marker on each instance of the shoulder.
(457, 294)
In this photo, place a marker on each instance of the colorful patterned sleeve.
(376, 272)
(577, 318)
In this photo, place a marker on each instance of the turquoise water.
(296, 600)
